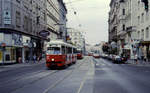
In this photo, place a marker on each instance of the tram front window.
(53, 50)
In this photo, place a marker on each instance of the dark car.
(124, 59)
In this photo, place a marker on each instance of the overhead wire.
(75, 12)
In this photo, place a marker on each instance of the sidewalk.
(140, 63)
(14, 66)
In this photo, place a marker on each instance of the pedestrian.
(38, 59)
(136, 59)
(145, 59)
(34, 58)
(27, 59)
(19, 60)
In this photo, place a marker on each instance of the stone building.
(77, 38)
(23, 24)
(132, 27)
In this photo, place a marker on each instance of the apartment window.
(25, 23)
(138, 34)
(142, 34)
(147, 16)
(18, 1)
(142, 20)
(138, 20)
(123, 27)
(18, 19)
(147, 32)
(123, 11)
(138, 4)
(30, 1)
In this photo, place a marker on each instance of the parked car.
(124, 59)
(117, 59)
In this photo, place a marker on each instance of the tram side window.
(74, 50)
(63, 50)
(69, 50)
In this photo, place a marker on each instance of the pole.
(3, 49)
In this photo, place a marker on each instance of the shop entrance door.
(18, 55)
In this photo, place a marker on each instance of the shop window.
(7, 57)
(123, 11)
(18, 1)
(147, 33)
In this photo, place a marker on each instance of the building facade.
(113, 21)
(21, 22)
(132, 28)
(77, 38)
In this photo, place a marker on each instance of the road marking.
(60, 80)
(97, 64)
(13, 91)
(98, 69)
(57, 82)
(82, 83)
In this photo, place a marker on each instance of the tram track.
(62, 79)
(38, 76)
(20, 77)
(17, 73)
(53, 72)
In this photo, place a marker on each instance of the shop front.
(10, 48)
(145, 47)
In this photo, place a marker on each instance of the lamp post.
(3, 52)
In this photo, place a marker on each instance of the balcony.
(122, 17)
(131, 28)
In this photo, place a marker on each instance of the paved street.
(88, 75)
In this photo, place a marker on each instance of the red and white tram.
(60, 54)
(79, 54)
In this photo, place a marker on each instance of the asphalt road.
(88, 75)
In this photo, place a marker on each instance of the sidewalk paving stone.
(12, 66)
(139, 63)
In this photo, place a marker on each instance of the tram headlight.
(53, 59)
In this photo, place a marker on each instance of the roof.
(59, 42)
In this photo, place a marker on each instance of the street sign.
(7, 17)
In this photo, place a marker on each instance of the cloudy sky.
(93, 17)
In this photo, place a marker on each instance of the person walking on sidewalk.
(136, 59)
(34, 58)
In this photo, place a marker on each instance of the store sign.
(26, 41)
(7, 17)
(18, 40)
(44, 33)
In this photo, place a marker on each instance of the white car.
(96, 55)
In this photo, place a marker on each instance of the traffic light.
(146, 4)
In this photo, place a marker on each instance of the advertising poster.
(1, 55)
(7, 17)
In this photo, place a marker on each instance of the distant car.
(90, 54)
(117, 59)
(95, 55)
